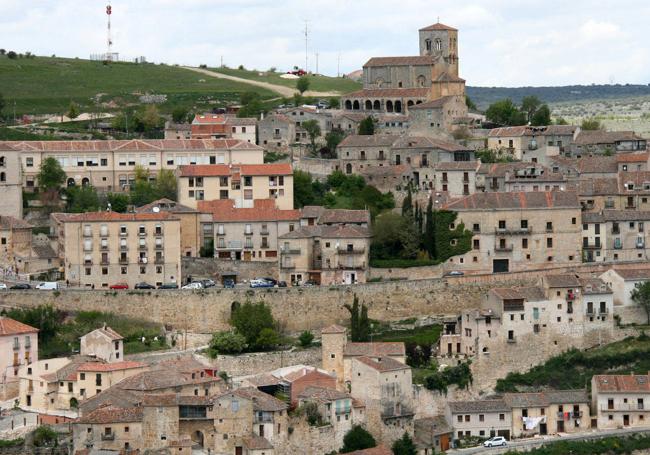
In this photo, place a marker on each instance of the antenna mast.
(306, 45)
(109, 40)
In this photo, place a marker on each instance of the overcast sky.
(502, 42)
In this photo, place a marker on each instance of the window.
(502, 417)
(549, 242)
(502, 224)
(29, 162)
(481, 418)
(524, 243)
(549, 225)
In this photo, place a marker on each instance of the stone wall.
(318, 168)
(260, 362)
(213, 268)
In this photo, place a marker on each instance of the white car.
(3, 287)
(495, 442)
(194, 285)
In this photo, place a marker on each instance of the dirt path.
(287, 92)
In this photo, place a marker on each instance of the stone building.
(480, 418)
(615, 235)
(104, 344)
(432, 435)
(239, 184)
(519, 141)
(11, 180)
(623, 282)
(276, 132)
(395, 84)
(223, 126)
(18, 347)
(517, 231)
(111, 165)
(620, 401)
(587, 143)
(15, 242)
(438, 116)
(178, 130)
(246, 234)
(109, 428)
(456, 178)
(101, 249)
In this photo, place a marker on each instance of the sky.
(502, 42)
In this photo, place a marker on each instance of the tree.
(268, 338)
(313, 130)
(302, 84)
(561, 121)
(179, 115)
(429, 231)
(470, 104)
(334, 103)
(73, 110)
(226, 343)
(119, 202)
(250, 319)
(529, 105)
(45, 436)
(358, 438)
(44, 317)
(81, 199)
(3, 51)
(542, 116)
(591, 124)
(306, 338)
(12, 55)
(404, 446)
(641, 296)
(407, 204)
(359, 321)
(367, 126)
(305, 190)
(51, 175)
(505, 112)
(333, 139)
(142, 191)
(150, 118)
(165, 185)
(394, 236)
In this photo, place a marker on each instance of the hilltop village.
(374, 277)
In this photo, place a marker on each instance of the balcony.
(355, 250)
(123, 260)
(570, 296)
(290, 251)
(503, 248)
(142, 233)
(494, 186)
(104, 261)
(142, 246)
(88, 234)
(16, 347)
(159, 246)
(143, 260)
(513, 231)
(623, 407)
(587, 246)
(591, 312)
(265, 232)
(266, 418)
(159, 260)
(603, 311)
(88, 262)
(104, 247)
(630, 206)
(287, 266)
(108, 437)
(124, 248)
(123, 233)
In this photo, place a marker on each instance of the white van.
(48, 286)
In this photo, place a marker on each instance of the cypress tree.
(354, 318)
(407, 205)
(364, 324)
(429, 232)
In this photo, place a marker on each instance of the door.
(444, 442)
(500, 266)
(247, 255)
(543, 429)
(239, 451)
(560, 426)
(504, 433)
(626, 420)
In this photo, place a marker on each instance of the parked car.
(282, 284)
(144, 285)
(20, 286)
(207, 283)
(119, 286)
(229, 283)
(193, 285)
(270, 280)
(495, 442)
(3, 287)
(309, 283)
(454, 273)
(260, 283)
(48, 286)
(168, 286)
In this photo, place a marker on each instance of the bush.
(306, 338)
(45, 436)
(250, 320)
(357, 438)
(460, 375)
(226, 343)
(267, 339)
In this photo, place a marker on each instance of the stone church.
(429, 81)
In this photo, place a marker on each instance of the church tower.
(439, 40)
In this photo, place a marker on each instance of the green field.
(45, 85)
(317, 83)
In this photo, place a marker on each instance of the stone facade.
(11, 181)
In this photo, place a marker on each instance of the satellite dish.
(156, 209)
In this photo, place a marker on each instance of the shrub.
(45, 436)
(357, 438)
(267, 339)
(226, 343)
(306, 338)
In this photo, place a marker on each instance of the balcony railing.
(624, 407)
(108, 437)
(104, 261)
(355, 250)
(159, 260)
(288, 251)
(587, 246)
(503, 248)
(123, 260)
(287, 266)
(159, 246)
(262, 419)
(513, 231)
(264, 232)
(142, 246)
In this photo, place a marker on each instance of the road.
(527, 444)
(286, 92)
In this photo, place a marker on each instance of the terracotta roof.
(113, 366)
(598, 186)
(427, 142)
(162, 378)
(376, 349)
(415, 60)
(10, 223)
(594, 286)
(383, 364)
(563, 280)
(115, 216)
(333, 329)
(597, 165)
(109, 414)
(478, 406)
(165, 205)
(337, 231)
(633, 274)
(605, 137)
(241, 121)
(390, 92)
(517, 200)
(323, 394)
(113, 396)
(255, 442)
(374, 140)
(312, 211)
(438, 103)
(209, 119)
(438, 26)
(223, 210)
(379, 450)
(343, 216)
(108, 332)
(458, 166)
(631, 157)
(446, 77)
(133, 144)
(276, 116)
(622, 383)
(501, 169)
(261, 401)
(640, 180)
(10, 326)
(224, 170)
(546, 398)
(526, 130)
(528, 293)
(44, 251)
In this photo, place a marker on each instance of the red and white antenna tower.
(109, 40)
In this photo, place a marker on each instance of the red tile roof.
(622, 383)
(134, 144)
(387, 92)
(438, 26)
(10, 326)
(11, 223)
(223, 170)
(108, 332)
(109, 414)
(263, 210)
(115, 216)
(209, 119)
(516, 200)
(383, 364)
(632, 157)
(377, 349)
(114, 366)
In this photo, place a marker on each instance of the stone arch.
(348, 168)
(376, 105)
(234, 306)
(368, 105)
(389, 106)
(438, 44)
(427, 43)
(85, 181)
(418, 102)
(198, 439)
(398, 106)
(348, 105)
(409, 103)
(421, 80)
(355, 105)
(70, 182)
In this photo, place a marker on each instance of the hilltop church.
(426, 86)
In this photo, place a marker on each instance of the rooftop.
(110, 414)
(333, 329)
(563, 280)
(107, 332)
(478, 406)
(390, 92)
(113, 366)
(11, 223)
(605, 137)
(115, 216)
(415, 60)
(323, 394)
(330, 232)
(383, 364)
(376, 349)
(374, 140)
(164, 205)
(516, 201)
(438, 26)
(10, 326)
(224, 170)
(633, 274)
(223, 210)
(622, 383)
(261, 401)
(130, 145)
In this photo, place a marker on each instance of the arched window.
(368, 105)
(409, 103)
(348, 168)
(438, 44)
(427, 44)
(348, 105)
(85, 181)
(2, 161)
(398, 106)
(71, 182)
(376, 105)
(421, 80)
(355, 105)
(389, 106)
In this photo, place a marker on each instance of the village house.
(587, 143)
(104, 344)
(520, 142)
(178, 130)
(11, 180)
(480, 418)
(518, 230)
(110, 165)
(101, 249)
(222, 126)
(358, 152)
(246, 234)
(436, 117)
(518, 176)
(623, 281)
(620, 400)
(239, 184)
(615, 235)
(456, 178)
(432, 435)
(18, 347)
(15, 242)
(276, 132)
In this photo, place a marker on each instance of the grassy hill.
(47, 85)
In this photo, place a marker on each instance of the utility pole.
(316, 62)
(306, 45)
(222, 61)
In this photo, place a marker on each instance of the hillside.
(48, 85)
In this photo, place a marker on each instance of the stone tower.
(439, 40)
(11, 182)
(333, 341)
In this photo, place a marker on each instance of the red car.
(119, 286)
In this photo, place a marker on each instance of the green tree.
(470, 104)
(250, 319)
(334, 103)
(119, 202)
(226, 343)
(165, 185)
(394, 236)
(143, 191)
(268, 338)
(306, 338)
(561, 121)
(51, 175)
(404, 446)
(248, 97)
(179, 115)
(359, 321)
(302, 84)
(591, 124)
(367, 126)
(73, 110)
(407, 204)
(641, 296)
(44, 317)
(44, 436)
(505, 112)
(333, 139)
(312, 127)
(358, 438)
(81, 199)
(529, 105)
(430, 231)
(542, 116)
(150, 118)
(306, 191)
